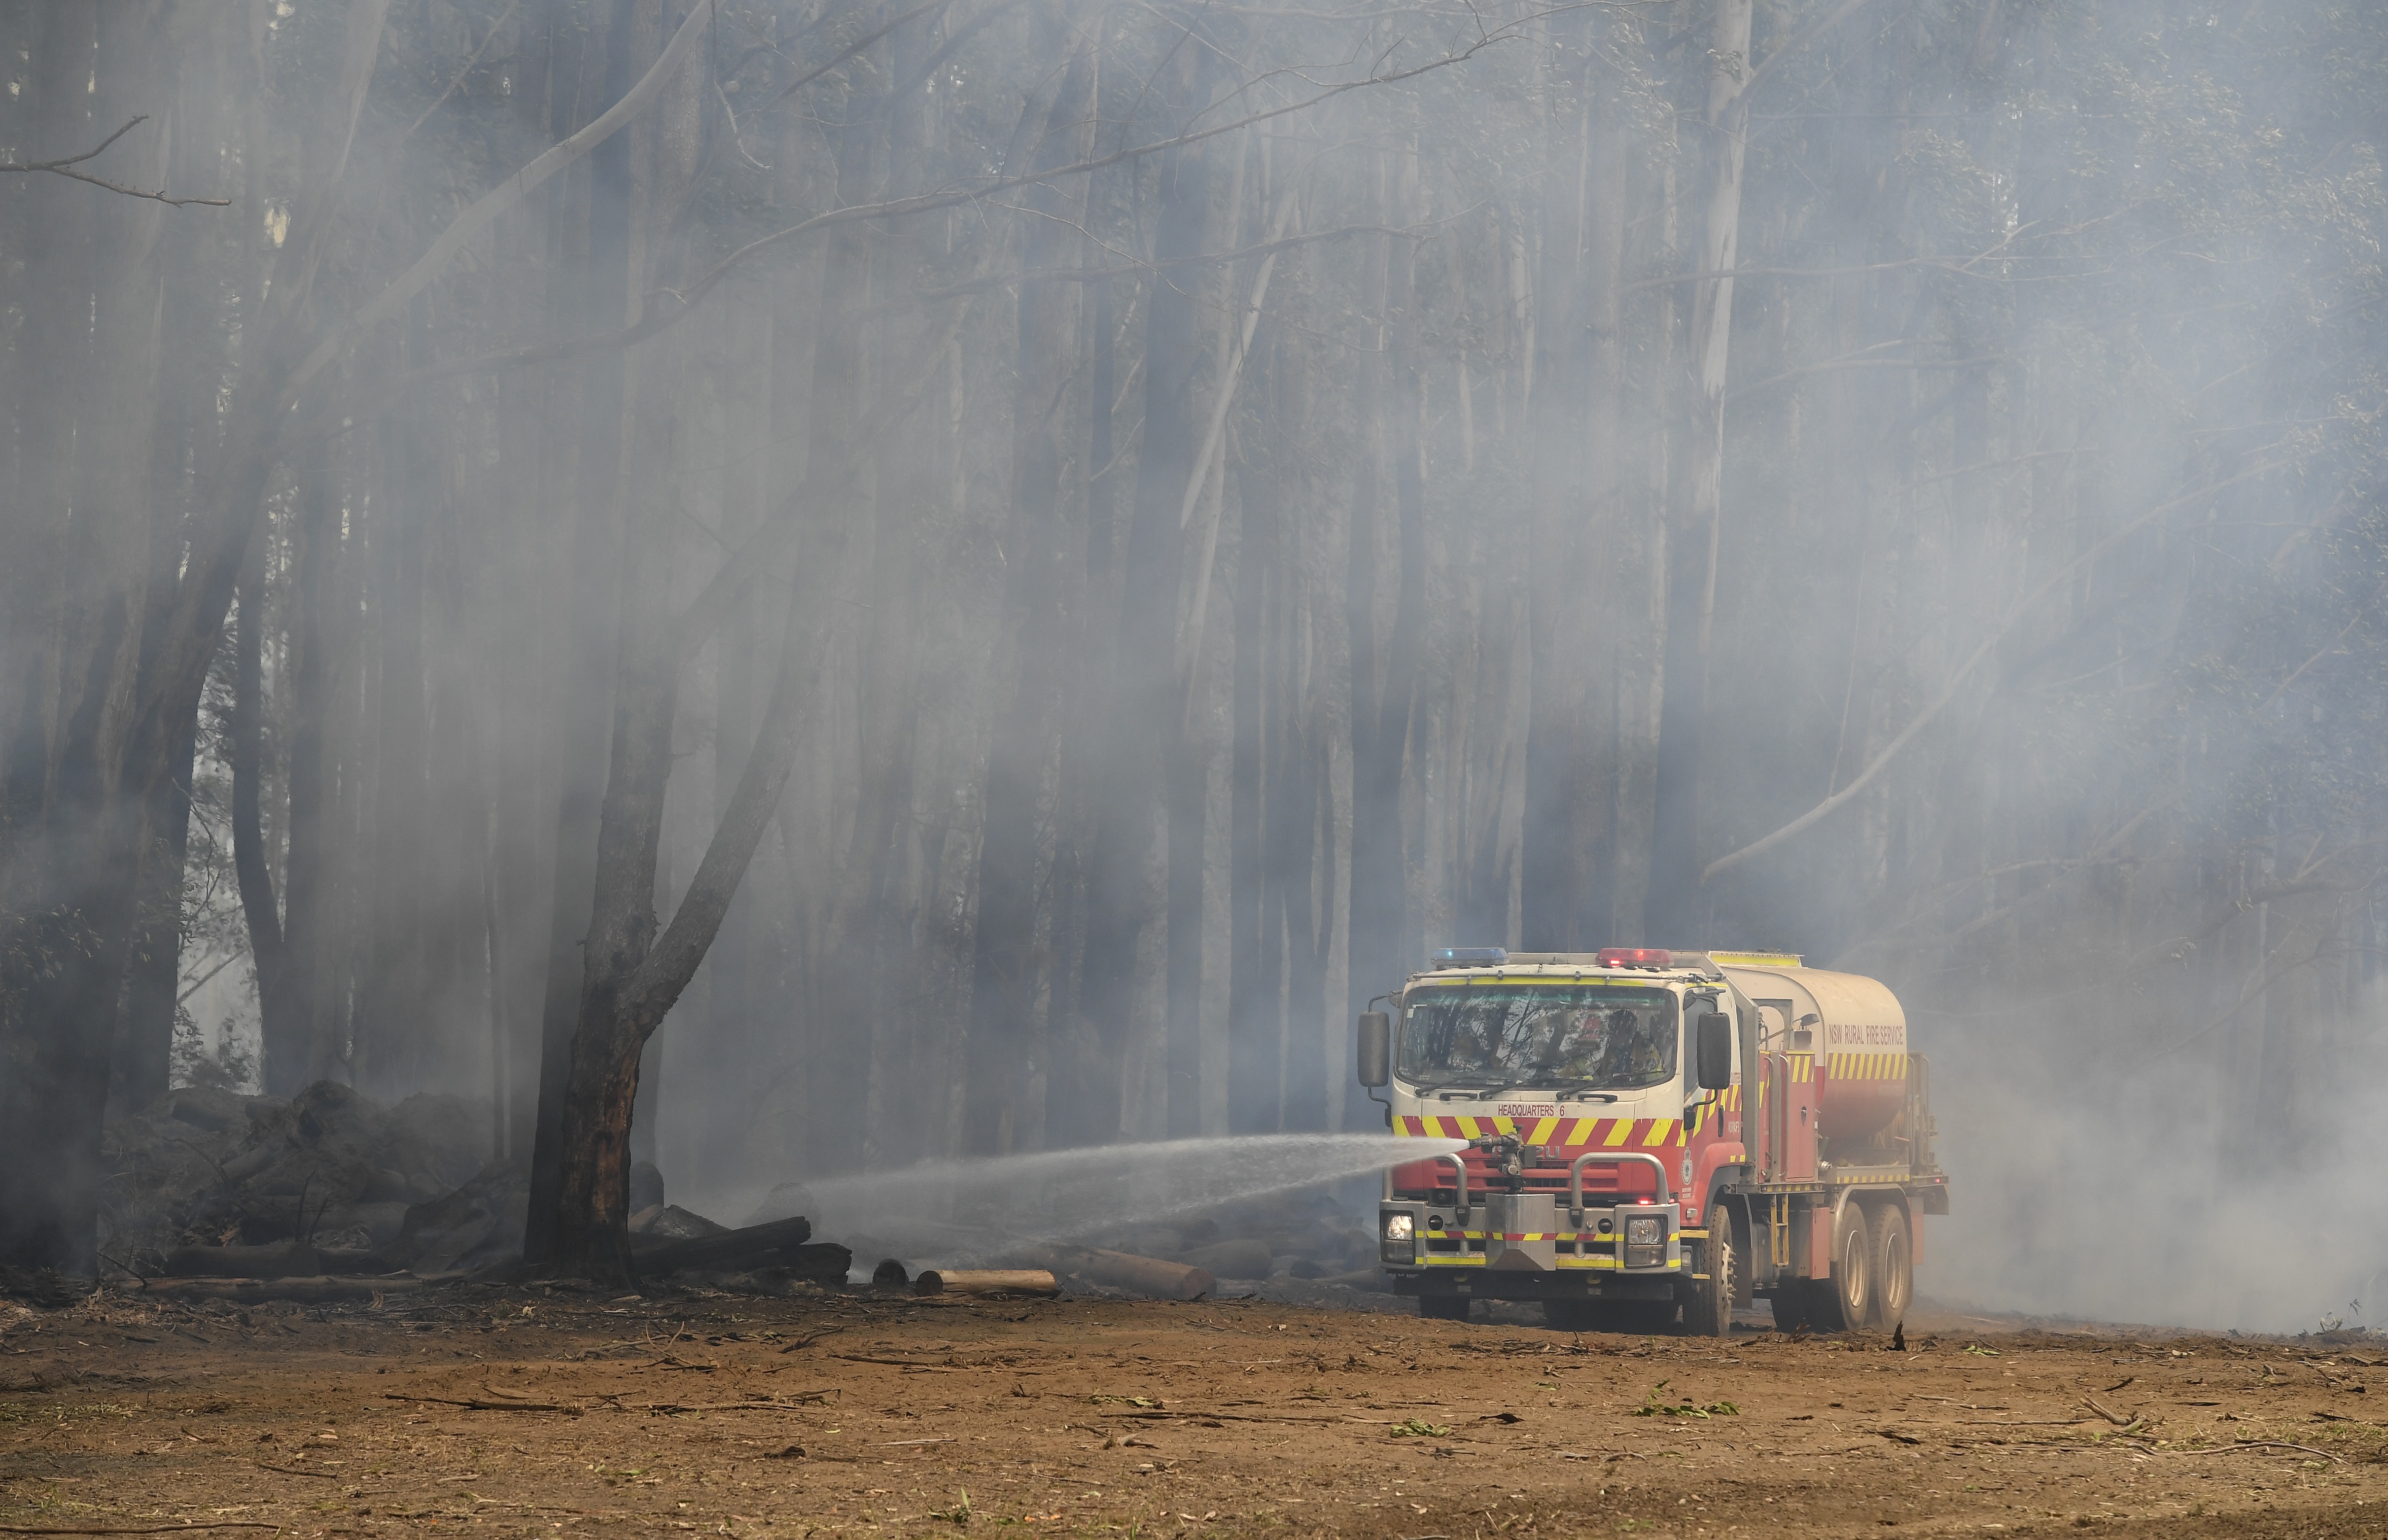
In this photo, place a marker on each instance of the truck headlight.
(1645, 1233)
(1400, 1227)
(1397, 1242)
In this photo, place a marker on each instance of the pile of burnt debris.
(331, 1196)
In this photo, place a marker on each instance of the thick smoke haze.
(970, 580)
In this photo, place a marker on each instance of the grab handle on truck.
(1575, 1177)
(1459, 1176)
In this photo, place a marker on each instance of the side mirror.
(1376, 1048)
(1712, 1051)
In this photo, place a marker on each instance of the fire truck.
(1640, 1138)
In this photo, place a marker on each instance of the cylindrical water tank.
(1854, 1028)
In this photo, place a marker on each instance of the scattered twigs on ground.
(2263, 1444)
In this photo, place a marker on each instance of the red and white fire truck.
(1653, 1137)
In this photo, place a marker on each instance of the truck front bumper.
(1613, 1253)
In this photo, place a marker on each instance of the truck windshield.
(1595, 1037)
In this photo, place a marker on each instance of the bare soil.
(549, 1413)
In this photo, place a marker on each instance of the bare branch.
(1956, 680)
(65, 166)
(1815, 28)
(2361, 610)
(503, 196)
(1857, 360)
(658, 317)
(851, 50)
(466, 69)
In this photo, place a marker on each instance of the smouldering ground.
(564, 1415)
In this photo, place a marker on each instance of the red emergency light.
(1635, 956)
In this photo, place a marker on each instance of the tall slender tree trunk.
(1675, 912)
(395, 1009)
(1565, 588)
(1255, 947)
(300, 1033)
(600, 281)
(622, 1001)
(1383, 692)
(1004, 1048)
(1298, 924)
(144, 1052)
(839, 1056)
(82, 860)
(1144, 698)
(251, 860)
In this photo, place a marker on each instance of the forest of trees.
(962, 576)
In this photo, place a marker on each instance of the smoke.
(1215, 574)
(2154, 1195)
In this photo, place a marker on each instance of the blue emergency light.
(1471, 957)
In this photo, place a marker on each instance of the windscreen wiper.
(1471, 1083)
(1578, 1090)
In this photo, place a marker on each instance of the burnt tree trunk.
(598, 279)
(252, 863)
(298, 1031)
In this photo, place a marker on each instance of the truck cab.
(1636, 1137)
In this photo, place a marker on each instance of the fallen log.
(986, 1280)
(774, 1245)
(249, 1290)
(1120, 1269)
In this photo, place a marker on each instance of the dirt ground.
(538, 1412)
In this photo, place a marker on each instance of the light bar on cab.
(1471, 957)
(1635, 957)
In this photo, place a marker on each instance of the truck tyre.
(1443, 1306)
(1789, 1302)
(1893, 1266)
(1846, 1301)
(1707, 1311)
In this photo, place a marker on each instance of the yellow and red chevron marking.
(1614, 1134)
(1868, 1066)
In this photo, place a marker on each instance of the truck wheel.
(1443, 1306)
(1844, 1304)
(1707, 1312)
(1789, 1302)
(1893, 1266)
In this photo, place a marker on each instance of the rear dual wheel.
(1873, 1280)
(1844, 1301)
(1893, 1267)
